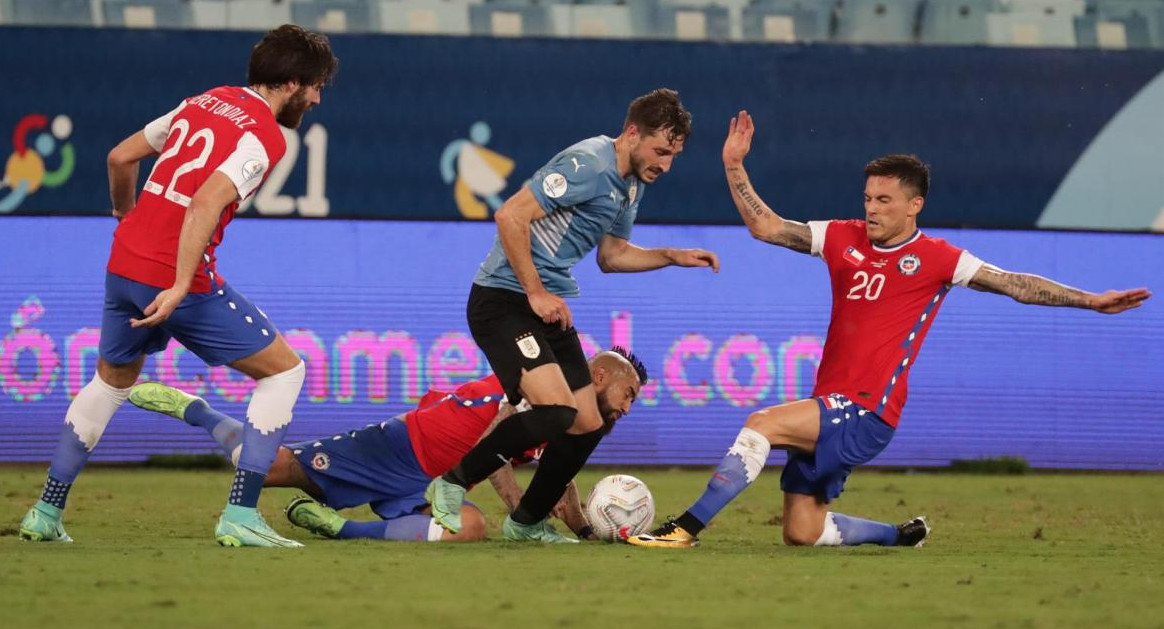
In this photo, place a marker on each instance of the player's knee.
(763, 422)
(119, 376)
(794, 537)
(548, 421)
(800, 535)
(274, 397)
(281, 472)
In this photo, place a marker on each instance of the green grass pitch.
(1034, 551)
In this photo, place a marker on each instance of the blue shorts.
(849, 436)
(374, 466)
(220, 327)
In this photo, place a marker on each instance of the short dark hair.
(907, 169)
(291, 53)
(640, 369)
(659, 109)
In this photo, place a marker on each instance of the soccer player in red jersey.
(388, 465)
(213, 150)
(888, 281)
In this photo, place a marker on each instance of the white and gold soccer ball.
(620, 506)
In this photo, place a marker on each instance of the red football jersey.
(884, 301)
(447, 425)
(231, 130)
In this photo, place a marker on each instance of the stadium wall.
(384, 321)
(440, 128)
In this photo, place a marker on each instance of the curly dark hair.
(660, 109)
(291, 53)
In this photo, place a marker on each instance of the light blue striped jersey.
(584, 199)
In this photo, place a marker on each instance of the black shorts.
(514, 338)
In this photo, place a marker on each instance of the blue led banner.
(445, 128)
(377, 310)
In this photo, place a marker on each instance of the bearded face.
(291, 115)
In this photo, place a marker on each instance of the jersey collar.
(257, 95)
(892, 248)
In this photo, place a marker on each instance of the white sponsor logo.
(253, 168)
(576, 164)
(321, 461)
(554, 185)
(529, 347)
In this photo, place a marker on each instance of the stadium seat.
(251, 15)
(148, 13)
(591, 20)
(509, 18)
(1143, 20)
(424, 17)
(1034, 23)
(52, 12)
(336, 16)
(689, 21)
(877, 21)
(786, 20)
(954, 22)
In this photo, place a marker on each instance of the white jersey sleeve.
(818, 229)
(158, 130)
(968, 267)
(246, 165)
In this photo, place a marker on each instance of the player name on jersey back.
(219, 107)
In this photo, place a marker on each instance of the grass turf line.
(1036, 551)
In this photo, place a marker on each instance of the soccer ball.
(619, 506)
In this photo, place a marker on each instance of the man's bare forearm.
(765, 224)
(505, 484)
(636, 259)
(569, 509)
(122, 184)
(1030, 289)
(197, 228)
(515, 240)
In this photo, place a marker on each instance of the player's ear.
(632, 131)
(598, 376)
(915, 205)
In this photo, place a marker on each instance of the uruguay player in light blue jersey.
(586, 197)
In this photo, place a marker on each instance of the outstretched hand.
(739, 139)
(1116, 301)
(695, 257)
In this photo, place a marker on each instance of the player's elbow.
(605, 264)
(766, 231)
(505, 215)
(759, 233)
(118, 157)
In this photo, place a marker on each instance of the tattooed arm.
(762, 222)
(1033, 289)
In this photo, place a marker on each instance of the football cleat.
(543, 532)
(42, 523)
(241, 526)
(670, 535)
(307, 513)
(913, 533)
(159, 398)
(446, 499)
